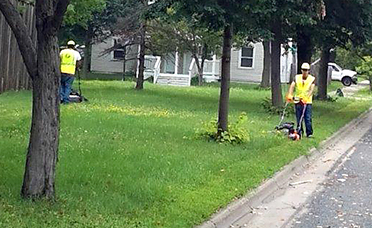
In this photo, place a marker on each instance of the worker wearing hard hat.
(304, 85)
(69, 59)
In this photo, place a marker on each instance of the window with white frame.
(119, 53)
(246, 57)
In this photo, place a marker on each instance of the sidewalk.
(276, 201)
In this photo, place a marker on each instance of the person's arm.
(311, 90)
(78, 60)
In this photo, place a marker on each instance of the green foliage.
(167, 36)
(365, 68)
(21, 8)
(97, 19)
(269, 108)
(80, 12)
(195, 81)
(348, 58)
(236, 134)
(345, 22)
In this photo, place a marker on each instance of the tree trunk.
(43, 147)
(266, 74)
(323, 73)
(201, 72)
(180, 63)
(304, 47)
(124, 62)
(293, 72)
(276, 87)
(87, 52)
(223, 110)
(39, 176)
(141, 59)
(370, 82)
(200, 67)
(43, 67)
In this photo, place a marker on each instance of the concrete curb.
(272, 187)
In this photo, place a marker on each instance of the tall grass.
(129, 158)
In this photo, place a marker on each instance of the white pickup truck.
(347, 77)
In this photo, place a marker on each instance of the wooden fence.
(13, 73)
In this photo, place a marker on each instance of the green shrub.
(195, 80)
(267, 105)
(365, 69)
(236, 134)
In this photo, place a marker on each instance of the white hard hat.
(71, 42)
(305, 66)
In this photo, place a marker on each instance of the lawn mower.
(289, 127)
(77, 96)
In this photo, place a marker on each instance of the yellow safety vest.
(68, 61)
(303, 87)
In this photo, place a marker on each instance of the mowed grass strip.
(130, 158)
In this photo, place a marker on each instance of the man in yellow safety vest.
(69, 59)
(304, 84)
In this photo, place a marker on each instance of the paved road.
(345, 199)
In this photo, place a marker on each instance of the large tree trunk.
(43, 147)
(141, 59)
(266, 73)
(223, 110)
(43, 67)
(304, 47)
(276, 87)
(323, 73)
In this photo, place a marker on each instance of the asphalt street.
(344, 200)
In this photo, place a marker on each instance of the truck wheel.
(346, 81)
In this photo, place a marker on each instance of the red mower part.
(294, 136)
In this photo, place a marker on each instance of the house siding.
(106, 63)
(253, 74)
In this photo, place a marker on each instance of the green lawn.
(130, 159)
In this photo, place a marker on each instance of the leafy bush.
(236, 134)
(365, 68)
(267, 105)
(195, 80)
(348, 59)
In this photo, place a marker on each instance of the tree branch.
(60, 10)
(20, 31)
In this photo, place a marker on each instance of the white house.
(246, 64)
